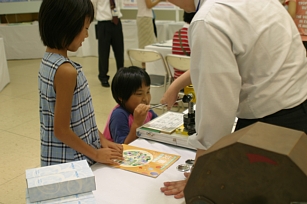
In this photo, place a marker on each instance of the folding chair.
(182, 63)
(159, 83)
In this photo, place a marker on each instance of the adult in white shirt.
(144, 20)
(247, 60)
(109, 32)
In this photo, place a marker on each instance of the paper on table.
(168, 43)
(166, 123)
(145, 161)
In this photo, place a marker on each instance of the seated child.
(131, 90)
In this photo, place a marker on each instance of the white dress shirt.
(102, 9)
(247, 61)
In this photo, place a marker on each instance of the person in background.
(246, 61)
(131, 90)
(154, 23)
(144, 20)
(109, 32)
(297, 10)
(181, 42)
(68, 129)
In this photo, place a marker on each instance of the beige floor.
(19, 121)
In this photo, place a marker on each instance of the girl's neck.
(57, 51)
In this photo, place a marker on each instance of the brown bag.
(180, 41)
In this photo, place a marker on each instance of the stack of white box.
(68, 183)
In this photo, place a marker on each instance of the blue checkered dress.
(83, 123)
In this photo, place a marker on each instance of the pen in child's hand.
(159, 105)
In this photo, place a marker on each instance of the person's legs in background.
(117, 43)
(104, 42)
(155, 27)
(146, 35)
(154, 23)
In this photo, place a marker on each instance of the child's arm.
(64, 85)
(139, 116)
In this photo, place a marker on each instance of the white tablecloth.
(157, 66)
(4, 72)
(22, 41)
(116, 186)
(163, 32)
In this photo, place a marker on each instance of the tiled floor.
(19, 121)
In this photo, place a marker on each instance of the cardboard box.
(59, 180)
(261, 163)
(83, 198)
(54, 169)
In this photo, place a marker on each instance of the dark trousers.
(293, 118)
(109, 34)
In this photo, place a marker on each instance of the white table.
(162, 30)
(22, 41)
(4, 72)
(157, 66)
(116, 186)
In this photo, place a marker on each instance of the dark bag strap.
(180, 41)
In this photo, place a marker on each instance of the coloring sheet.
(145, 161)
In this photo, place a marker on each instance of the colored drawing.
(135, 157)
(145, 161)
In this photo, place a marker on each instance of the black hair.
(187, 17)
(126, 82)
(60, 21)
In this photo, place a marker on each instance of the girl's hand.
(140, 114)
(115, 146)
(108, 144)
(108, 155)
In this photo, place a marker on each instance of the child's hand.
(115, 146)
(140, 113)
(109, 144)
(108, 155)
